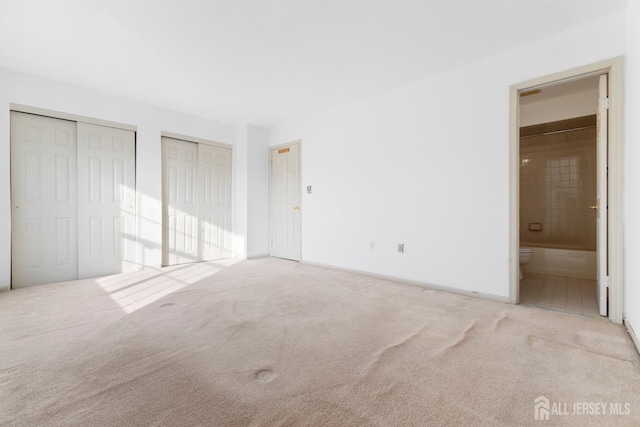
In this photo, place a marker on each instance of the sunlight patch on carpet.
(137, 290)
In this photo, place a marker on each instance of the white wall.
(559, 108)
(239, 189)
(150, 121)
(632, 172)
(258, 192)
(428, 165)
(251, 215)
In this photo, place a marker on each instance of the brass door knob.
(594, 207)
(296, 208)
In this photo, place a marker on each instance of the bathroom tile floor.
(567, 294)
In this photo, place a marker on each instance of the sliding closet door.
(73, 201)
(214, 170)
(196, 202)
(43, 196)
(180, 204)
(106, 200)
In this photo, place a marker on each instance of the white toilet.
(525, 258)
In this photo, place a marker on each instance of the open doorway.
(559, 191)
(566, 176)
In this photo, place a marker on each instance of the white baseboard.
(482, 295)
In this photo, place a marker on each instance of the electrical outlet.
(308, 189)
(400, 247)
(372, 245)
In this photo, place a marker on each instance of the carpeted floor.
(276, 343)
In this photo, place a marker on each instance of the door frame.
(195, 140)
(614, 68)
(22, 108)
(275, 147)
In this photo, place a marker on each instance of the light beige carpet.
(275, 343)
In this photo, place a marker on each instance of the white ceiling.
(267, 61)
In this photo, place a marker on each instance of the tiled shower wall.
(558, 184)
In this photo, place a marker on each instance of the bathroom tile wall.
(558, 184)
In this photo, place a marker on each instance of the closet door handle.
(594, 207)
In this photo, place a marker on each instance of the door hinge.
(605, 102)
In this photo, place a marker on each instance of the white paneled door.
(180, 206)
(285, 202)
(73, 200)
(196, 193)
(44, 205)
(106, 200)
(214, 185)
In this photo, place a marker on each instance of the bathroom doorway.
(560, 231)
(558, 196)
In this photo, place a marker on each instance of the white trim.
(514, 205)
(614, 68)
(172, 135)
(616, 163)
(68, 116)
(426, 285)
(632, 334)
